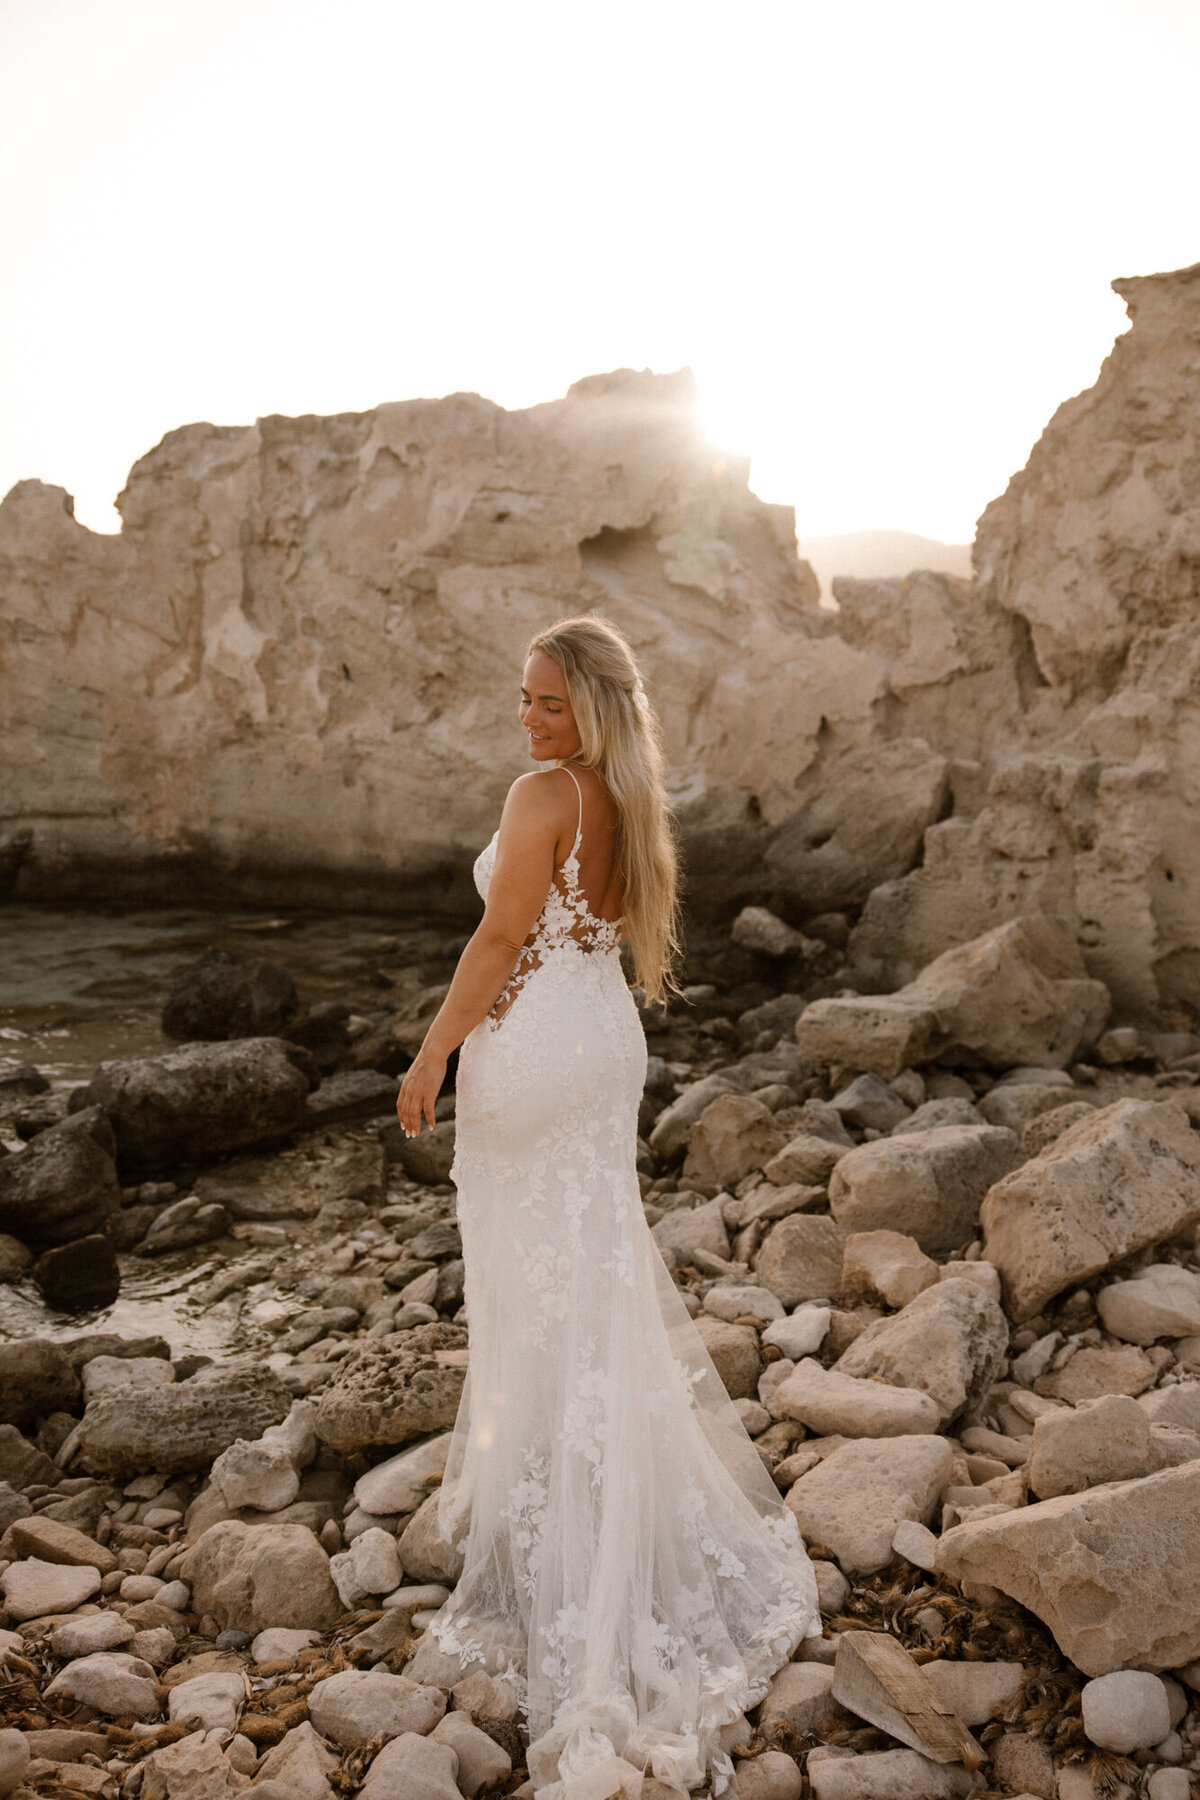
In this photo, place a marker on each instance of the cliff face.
(1092, 808)
(293, 675)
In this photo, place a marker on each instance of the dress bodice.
(566, 921)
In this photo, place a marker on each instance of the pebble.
(1125, 1711)
(279, 1644)
(175, 1594)
(140, 1587)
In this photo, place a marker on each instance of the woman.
(629, 1564)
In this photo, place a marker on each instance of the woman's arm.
(531, 827)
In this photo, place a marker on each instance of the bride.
(629, 1565)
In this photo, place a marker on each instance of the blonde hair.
(622, 740)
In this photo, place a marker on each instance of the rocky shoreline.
(941, 1245)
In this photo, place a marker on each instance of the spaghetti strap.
(579, 829)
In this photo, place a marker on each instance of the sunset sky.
(881, 236)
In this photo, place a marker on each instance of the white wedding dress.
(629, 1564)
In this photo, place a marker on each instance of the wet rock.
(36, 1378)
(1162, 1301)
(481, 1761)
(360, 1704)
(399, 1484)
(1114, 1573)
(396, 1387)
(353, 1094)
(221, 997)
(1127, 1177)
(80, 1275)
(112, 1682)
(182, 1427)
(64, 1184)
(1018, 994)
(22, 1463)
(734, 1134)
(203, 1101)
(854, 1499)
(15, 1258)
(1106, 1439)
(834, 1404)
(801, 1258)
(888, 1265)
(427, 1158)
(188, 1222)
(949, 1342)
(33, 1588)
(254, 1577)
(884, 1775)
(929, 1185)
(412, 1767)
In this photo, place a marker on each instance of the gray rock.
(427, 1157)
(870, 1102)
(220, 997)
(183, 1427)
(412, 1767)
(884, 1775)
(481, 1761)
(179, 1227)
(64, 1184)
(394, 1388)
(1125, 1711)
(1162, 1301)
(694, 1228)
(111, 1682)
(78, 1276)
(670, 1136)
(89, 1633)
(950, 1342)
(203, 1100)
(351, 1094)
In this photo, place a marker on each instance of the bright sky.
(880, 234)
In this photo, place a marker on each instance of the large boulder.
(181, 1427)
(221, 997)
(1126, 1177)
(1018, 994)
(949, 1342)
(253, 1577)
(204, 1100)
(930, 1184)
(64, 1184)
(396, 1387)
(1114, 1573)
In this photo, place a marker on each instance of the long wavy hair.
(622, 740)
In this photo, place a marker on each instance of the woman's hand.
(419, 1091)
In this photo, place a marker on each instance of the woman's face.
(545, 711)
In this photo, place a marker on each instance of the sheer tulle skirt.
(629, 1564)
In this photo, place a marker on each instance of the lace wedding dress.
(629, 1564)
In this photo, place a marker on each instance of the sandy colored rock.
(734, 1351)
(805, 1161)
(1106, 1439)
(301, 1763)
(395, 1387)
(734, 1134)
(359, 1704)
(1125, 1711)
(412, 1767)
(693, 1228)
(1163, 1301)
(771, 1775)
(110, 1682)
(884, 1775)
(1126, 1177)
(14, 1759)
(399, 1483)
(801, 1258)
(802, 1333)
(425, 1554)
(949, 1342)
(853, 1501)
(1114, 1573)
(252, 1577)
(976, 1691)
(182, 1427)
(930, 1185)
(1094, 1371)
(835, 1404)
(54, 1542)
(887, 1265)
(798, 1696)
(33, 1588)
(482, 1763)
(208, 1702)
(89, 1633)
